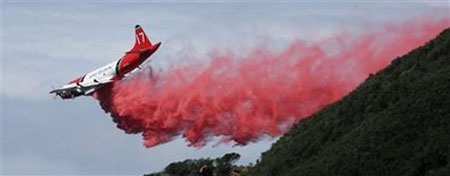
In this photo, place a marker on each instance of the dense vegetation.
(396, 123)
(222, 166)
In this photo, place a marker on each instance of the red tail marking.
(142, 42)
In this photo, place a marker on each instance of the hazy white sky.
(48, 43)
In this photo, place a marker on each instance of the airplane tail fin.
(142, 42)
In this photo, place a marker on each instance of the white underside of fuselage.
(91, 82)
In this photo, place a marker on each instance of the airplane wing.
(78, 89)
(88, 90)
(63, 89)
(96, 83)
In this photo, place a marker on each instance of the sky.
(48, 43)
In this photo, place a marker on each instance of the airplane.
(89, 83)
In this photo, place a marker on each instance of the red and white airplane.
(92, 81)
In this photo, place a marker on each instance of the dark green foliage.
(220, 167)
(225, 164)
(396, 123)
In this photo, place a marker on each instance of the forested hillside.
(396, 123)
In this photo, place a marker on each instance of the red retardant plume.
(246, 98)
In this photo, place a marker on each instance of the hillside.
(396, 123)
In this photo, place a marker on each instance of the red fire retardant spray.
(243, 99)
